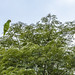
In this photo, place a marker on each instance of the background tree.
(43, 48)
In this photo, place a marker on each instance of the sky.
(31, 11)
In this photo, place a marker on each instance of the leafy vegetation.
(43, 48)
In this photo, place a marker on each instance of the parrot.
(6, 26)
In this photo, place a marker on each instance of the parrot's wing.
(5, 28)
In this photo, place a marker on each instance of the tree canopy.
(44, 48)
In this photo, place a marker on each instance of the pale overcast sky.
(31, 11)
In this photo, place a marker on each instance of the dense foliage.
(44, 48)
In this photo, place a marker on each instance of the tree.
(38, 49)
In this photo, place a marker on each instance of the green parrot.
(6, 26)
